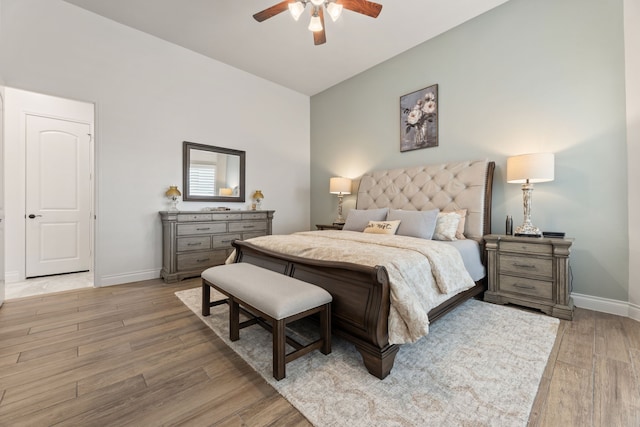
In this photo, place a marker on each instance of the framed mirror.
(212, 174)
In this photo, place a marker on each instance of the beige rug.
(480, 365)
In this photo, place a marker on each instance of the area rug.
(480, 365)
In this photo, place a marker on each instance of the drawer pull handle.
(518, 285)
(524, 265)
(249, 226)
(202, 260)
(203, 229)
(194, 244)
(226, 241)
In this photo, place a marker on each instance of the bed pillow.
(415, 223)
(463, 218)
(446, 226)
(382, 227)
(358, 219)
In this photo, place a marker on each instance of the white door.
(2, 221)
(58, 196)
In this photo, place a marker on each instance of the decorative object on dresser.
(530, 272)
(257, 198)
(527, 169)
(173, 194)
(340, 186)
(419, 119)
(195, 241)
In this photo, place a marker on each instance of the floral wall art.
(419, 119)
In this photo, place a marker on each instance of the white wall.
(18, 104)
(632, 78)
(150, 96)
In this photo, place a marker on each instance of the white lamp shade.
(315, 24)
(339, 185)
(533, 168)
(296, 9)
(335, 10)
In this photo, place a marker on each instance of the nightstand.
(329, 226)
(532, 272)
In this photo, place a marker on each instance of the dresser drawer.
(224, 240)
(208, 228)
(529, 248)
(247, 226)
(201, 260)
(193, 243)
(194, 217)
(524, 286)
(521, 265)
(257, 215)
(226, 216)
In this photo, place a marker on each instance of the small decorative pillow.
(446, 226)
(382, 227)
(463, 219)
(357, 219)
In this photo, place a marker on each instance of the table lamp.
(527, 169)
(339, 186)
(173, 194)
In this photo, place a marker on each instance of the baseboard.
(606, 305)
(119, 279)
(12, 276)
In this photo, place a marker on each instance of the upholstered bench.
(273, 297)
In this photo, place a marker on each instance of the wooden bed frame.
(361, 299)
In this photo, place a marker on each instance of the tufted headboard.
(444, 186)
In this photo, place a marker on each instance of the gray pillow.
(358, 219)
(415, 223)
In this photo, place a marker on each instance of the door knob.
(33, 216)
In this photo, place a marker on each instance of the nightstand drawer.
(529, 248)
(524, 286)
(521, 265)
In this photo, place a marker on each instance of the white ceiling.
(282, 50)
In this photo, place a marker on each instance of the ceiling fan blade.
(364, 7)
(319, 37)
(272, 11)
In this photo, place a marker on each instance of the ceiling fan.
(316, 25)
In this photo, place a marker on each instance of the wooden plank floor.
(135, 355)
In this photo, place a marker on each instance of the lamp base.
(528, 230)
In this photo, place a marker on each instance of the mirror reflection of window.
(202, 173)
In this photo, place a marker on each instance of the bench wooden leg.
(325, 329)
(279, 340)
(234, 319)
(206, 296)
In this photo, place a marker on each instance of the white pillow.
(415, 223)
(382, 227)
(446, 226)
(358, 219)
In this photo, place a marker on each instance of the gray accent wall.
(527, 76)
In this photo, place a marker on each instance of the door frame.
(19, 103)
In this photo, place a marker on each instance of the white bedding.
(422, 273)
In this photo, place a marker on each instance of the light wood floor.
(135, 355)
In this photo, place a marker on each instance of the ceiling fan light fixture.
(335, 10)
(315, 24)
(296, 9)
(317, 2)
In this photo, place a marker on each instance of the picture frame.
(419, 119)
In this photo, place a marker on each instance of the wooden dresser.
(532, 272)
(195, 241)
